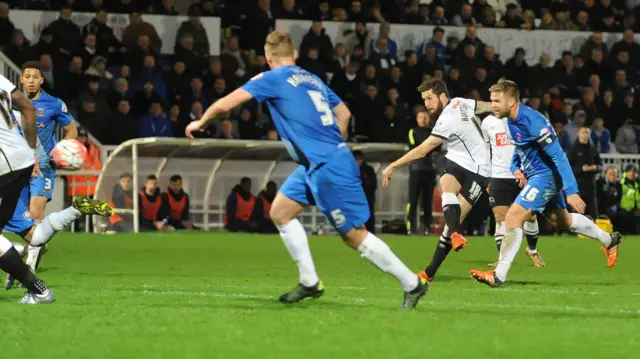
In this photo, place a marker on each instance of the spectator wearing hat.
(609, 189)
(630, 200)
(585, 163)
(608, 23)
(98, 68)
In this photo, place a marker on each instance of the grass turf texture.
(201, 295)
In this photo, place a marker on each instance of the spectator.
(74, 79)
(368, 113)
(340, 58)
(389, 129)
(263, 208)
(346, 83)
(547, 22)
(257, 26)
(165, 8)
(151, 72)
(193, 27)
(369, 185)
(6, 26)
(312, 63)
(607, 112)
(456, 87)
(562, 22)
(317, 39)
(214, 72)
(382, 57)
(177, 125)
(226, 130)
(479, 9)
(272, 135)
(19, 50)
(137, 28)
(124, 125)
(65, 33)
(122, 6)
(360, 37)
(567, 79)
(240, 208)
(197, 93)
(356, 11)
(184, 51)
(385, 32)
(511, 19)
(489, 19)
(464, 17)
(608, 23)
(585, 162)
(438, 17)
(582, 21)
(143, 99)
(122, 198)
(430, 61)
(106, 40)
(177, 81)
(219, 89)
(247, 126)
(83, 185)
(600, 136)
(46, 45)
(630, 200)
(629, 45)
(120, 92)
(471, 38)
(94, 94)
(467, 63)
(421, 17)
(436, 41)
(90, 50)
(234, 61)
(156, 123)
(563, 137)
(289, 11)
(626, 138)
(154, 212)
(98, 69)
(136, 54)
(203, 8)
(579, 120)
(178, 202)
(609, 190)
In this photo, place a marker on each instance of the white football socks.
(53, 223)
(510, 247)
(20, 247)
(32, 257)
(582, 225)
(295, 239)
(379, 253)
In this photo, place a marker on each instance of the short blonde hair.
(279, 45)
(507, 87)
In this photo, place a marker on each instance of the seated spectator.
(74, 79)
(346, 83)
(389, 129)
(178, 126)
(263, 208)
(361, 37)
(579, 120)
(465, 17)
(247, 126)
(120, 92)
(382, 57)
(600, 136)
(92, 119)
(136, 53)
(142, 100)
(19, 50)
(626, 138)
(150, 71)
(136, 28)
(165, 8)
(204, 8)
(438, 17)
(609, 190)
(122, 198)
(124, 125)
(177, 82)
(154, 212)
(341, 59)
(156, 123)
(630, 200)
(226, 130)
(289, 11)
(90, 49)
(240, 207)
(178, 202)
(193, 27)
(317, 39)
(98, 68)
(369, 185)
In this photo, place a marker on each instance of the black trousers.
(588, 195)
(371, 223)
(421, 184)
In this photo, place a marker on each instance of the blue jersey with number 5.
(301, 106)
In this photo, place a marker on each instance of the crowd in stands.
(121, 89)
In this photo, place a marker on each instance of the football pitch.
(214, 295)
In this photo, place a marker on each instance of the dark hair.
(437, 86)
(32, 65)
(438, 29)
(152, 178)
(244, 180)
(175, 178)
(126, 175)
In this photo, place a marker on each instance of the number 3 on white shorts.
(529, 193)
(338, 217)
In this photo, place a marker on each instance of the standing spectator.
(240, 208)
(368, 113)
(385, 33)
(136, 28)
(66, 33)
(92, 119)
(585, 162)
(630, 201)
(194, 28)
(46, 45)
(6, 26)
(369, 185)
(492, 63)
(155, 124)
(257, 26)
(19, 50)
(489, 19)
(165, 8)
(430, 62)
(360, 37)
(346, 83)
(74, 79)
(609, 190)
(184, 51)
(422, 177)
(106, 40)
(90, 50)
(542, 74)
(317, 39)
(263, 208)
(600, 136)
(382, 57)
(99, 96)
(626, 138)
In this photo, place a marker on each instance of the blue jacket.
(602, 142)
(151, 126)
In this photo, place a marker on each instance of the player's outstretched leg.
(452, 212)
(439, 255)
(531, 231)
(499, 237)
(379, 254)
(580, 224)
(11, 262)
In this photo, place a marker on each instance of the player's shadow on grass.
(523, 282)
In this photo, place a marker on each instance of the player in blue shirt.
(311, 119)
(545, 176)
(50, 112)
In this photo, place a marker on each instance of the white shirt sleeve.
(445, 126)
(6, 85)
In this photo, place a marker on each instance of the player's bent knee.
(354, 237)
(561, 219)
(284, 209)
(500, 213)
(449, 183)
(516, 216)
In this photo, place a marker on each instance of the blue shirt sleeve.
(551, 147)
(516, 162)
(63, 117)
(332, 98)
(260, 87)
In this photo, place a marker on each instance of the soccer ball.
(69, 154)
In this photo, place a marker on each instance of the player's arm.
(225, 104)
(341, 112)
(64, 118)
(415, 154)
(483, 107)
(552, 148)
(28, 111)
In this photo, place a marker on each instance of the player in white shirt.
(504, 188)
(468, 168)
(17, 165)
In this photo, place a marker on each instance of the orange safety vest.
(150, 209)
(128, 202)
(83, 185)
(244, 208)
(266, 208)
(177, 207)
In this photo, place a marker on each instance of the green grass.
(215, 296)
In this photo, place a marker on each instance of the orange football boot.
(457, 241)
(612, 251)
(425, 276)
(487, 277)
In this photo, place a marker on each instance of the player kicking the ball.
(468, 162)
(504, 188)
(50, 112)
(540, 163)
(310, 119)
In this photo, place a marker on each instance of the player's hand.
(194, 126)
(386, 175)
(520, 178)
(576, 203)
(36, 169)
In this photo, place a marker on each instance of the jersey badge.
(27, 215)
(40, 112)
(502, 140)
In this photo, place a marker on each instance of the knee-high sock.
(531, 231)
(510, 247)
(442, 251)
(582, 225)
(499, 235)
(53, 223)
(11, 262)
(379, 253)
(295, 239)
(451, 211)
